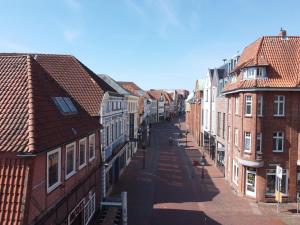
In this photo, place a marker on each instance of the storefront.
(220, 156)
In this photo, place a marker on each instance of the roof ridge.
(259, 48)
(31, 113)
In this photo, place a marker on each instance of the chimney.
(282, 33)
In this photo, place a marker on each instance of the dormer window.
(255, 73)
(65, 105)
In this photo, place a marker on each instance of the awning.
(255, 164)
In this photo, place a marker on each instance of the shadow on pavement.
(181, 217)
(177, 179)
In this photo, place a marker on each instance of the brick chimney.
(282, 33)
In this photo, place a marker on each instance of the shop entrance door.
(251, 182)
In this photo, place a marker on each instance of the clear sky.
(155, 43)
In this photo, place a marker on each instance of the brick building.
(193, 112)
(49, 149)
(263, 117)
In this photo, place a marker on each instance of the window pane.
(53, 169)
(70, 104)
(82, 153)
(70, 159)
(270, 184)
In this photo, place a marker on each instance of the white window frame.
(80, 141)
(247, 137)
(248, 102)
(229, 105)
(92, 158)
(66, 160)
(236, 108)
(229, 134)
(235, 172)
(277, 103)
(236, 137)
(259, 137)
(260, 103)
(273, 173)
(55, 185)
(278, 137)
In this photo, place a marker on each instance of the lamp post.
(202, 164)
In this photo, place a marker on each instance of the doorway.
(250, 182)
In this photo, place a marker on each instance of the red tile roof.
(29, 119)
(13, 176)
(130, 86)
(280, 55)
(79, 81)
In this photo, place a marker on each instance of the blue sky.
(155, 43)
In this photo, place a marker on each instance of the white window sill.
(277, 151)
(248, 115)
(82, 166)
(91, 159)
(70, 174)
(53, 187)
(278, 115)
(247, 151)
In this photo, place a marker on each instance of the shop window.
(271, 182)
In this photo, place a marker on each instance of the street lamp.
(202, 164)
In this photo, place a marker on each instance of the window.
(112, 132)
(65, 105)
(107, 136)
(229, 134)
(236, 105)
(82, 153)
(248, 105)
(254, 72)
(89, 209)
(235, 172)
(279, 106)
(271, 182)
(247, 141)
(223, 127)
(53, 169)
(206, 118)
(219, 124)
(260, 105)
(258, 143)
(70, 160)
(229, 105)
(278, 143)
(236, 137)
(92, 147)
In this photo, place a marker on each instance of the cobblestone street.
(171, 191)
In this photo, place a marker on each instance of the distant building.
(193, 112)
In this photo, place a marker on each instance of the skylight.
(65, 105)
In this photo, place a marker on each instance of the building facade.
(50, 149)
(263, 121)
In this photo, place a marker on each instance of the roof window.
(255, 73)
(65, 105)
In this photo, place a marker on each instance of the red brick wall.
(267, 124)
(84, 180)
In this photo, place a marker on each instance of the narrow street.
(170, 189)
